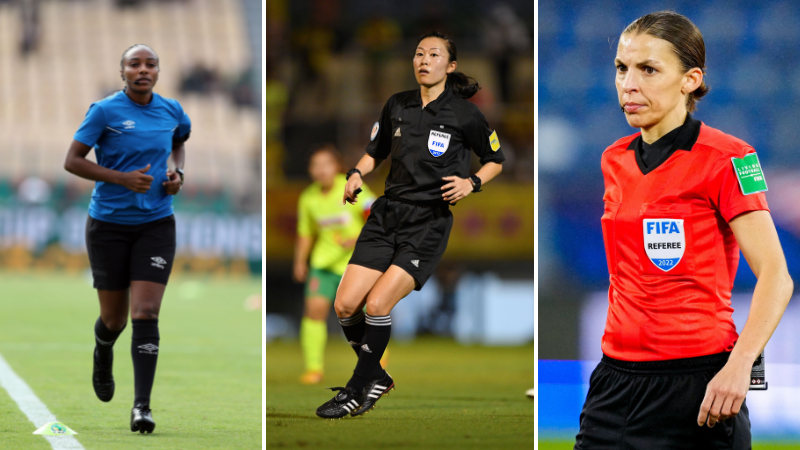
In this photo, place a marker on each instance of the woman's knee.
(378, 305)
(317, 308)
(115, 322)
(345, 308)
(347, 302)
(146, 311)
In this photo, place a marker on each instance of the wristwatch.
(180, 172)
(352, 171)
(477, 183)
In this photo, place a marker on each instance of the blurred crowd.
(207, 48)
(331, 65)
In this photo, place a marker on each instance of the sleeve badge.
(494, 142)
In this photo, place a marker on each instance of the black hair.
(686, 40)
(122, 59)
(463, 85)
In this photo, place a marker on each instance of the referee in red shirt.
(681, 199)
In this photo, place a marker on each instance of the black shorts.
(654, 405)
(120, 253)
(409, 235)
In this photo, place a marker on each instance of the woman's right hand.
(136, 180)
(350, 188)
(300, 272)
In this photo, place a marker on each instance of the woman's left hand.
(173, 183)
(456, 189)
(725, 393)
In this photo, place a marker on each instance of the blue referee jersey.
(128, 136)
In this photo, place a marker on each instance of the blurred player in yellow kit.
(327, 231)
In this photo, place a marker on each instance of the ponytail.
(462, 85)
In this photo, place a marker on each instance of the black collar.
(687, 137)
(435, 105)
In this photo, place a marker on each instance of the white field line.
(29, 403)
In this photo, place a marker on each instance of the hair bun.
(463, 85)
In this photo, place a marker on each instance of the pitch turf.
(207, 392)
(447, 397)
(567, 445)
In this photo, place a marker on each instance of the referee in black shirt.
(428, 132)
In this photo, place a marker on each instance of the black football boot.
(142, 419)
(345, 402)
(374, 390)
(103, 378)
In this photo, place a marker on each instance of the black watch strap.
(180, 172)
(352, 171)
(475, 179)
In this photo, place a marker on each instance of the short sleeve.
(184, 128)
(380, 144)
(93, 126)
(482, 139)
(305, 226)
(726, 193)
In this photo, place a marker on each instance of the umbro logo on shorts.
(158, 262)
(415, 262)
(365, 348)
(150, 349)
(397, 132)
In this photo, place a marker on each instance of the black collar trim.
(436, 105)
(687, 137)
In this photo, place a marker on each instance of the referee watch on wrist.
(180, 172)
(476, 183)
(352, 171)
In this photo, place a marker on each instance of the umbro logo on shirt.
(397, 132)
(129, 124)
(158, 262)
(150, 349)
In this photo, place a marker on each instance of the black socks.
(105, 338)
(144, 351)
(376, 338)
(353, 328)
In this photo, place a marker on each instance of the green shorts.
(322, 283)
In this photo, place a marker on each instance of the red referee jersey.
(671, 255)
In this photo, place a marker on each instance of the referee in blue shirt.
(130, 231)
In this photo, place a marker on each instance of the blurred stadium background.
(752, 52)
(56, 58)
(330, 67)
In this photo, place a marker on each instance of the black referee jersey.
(429, 143)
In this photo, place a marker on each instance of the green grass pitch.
(448, 396)
(207, 392)
(567, 445)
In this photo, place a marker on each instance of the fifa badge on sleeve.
(748, 172)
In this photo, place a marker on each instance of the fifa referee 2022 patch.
(748, 172)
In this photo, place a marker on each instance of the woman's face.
(323, 168)
(140, 70)
(650, 80)
(431, 62)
